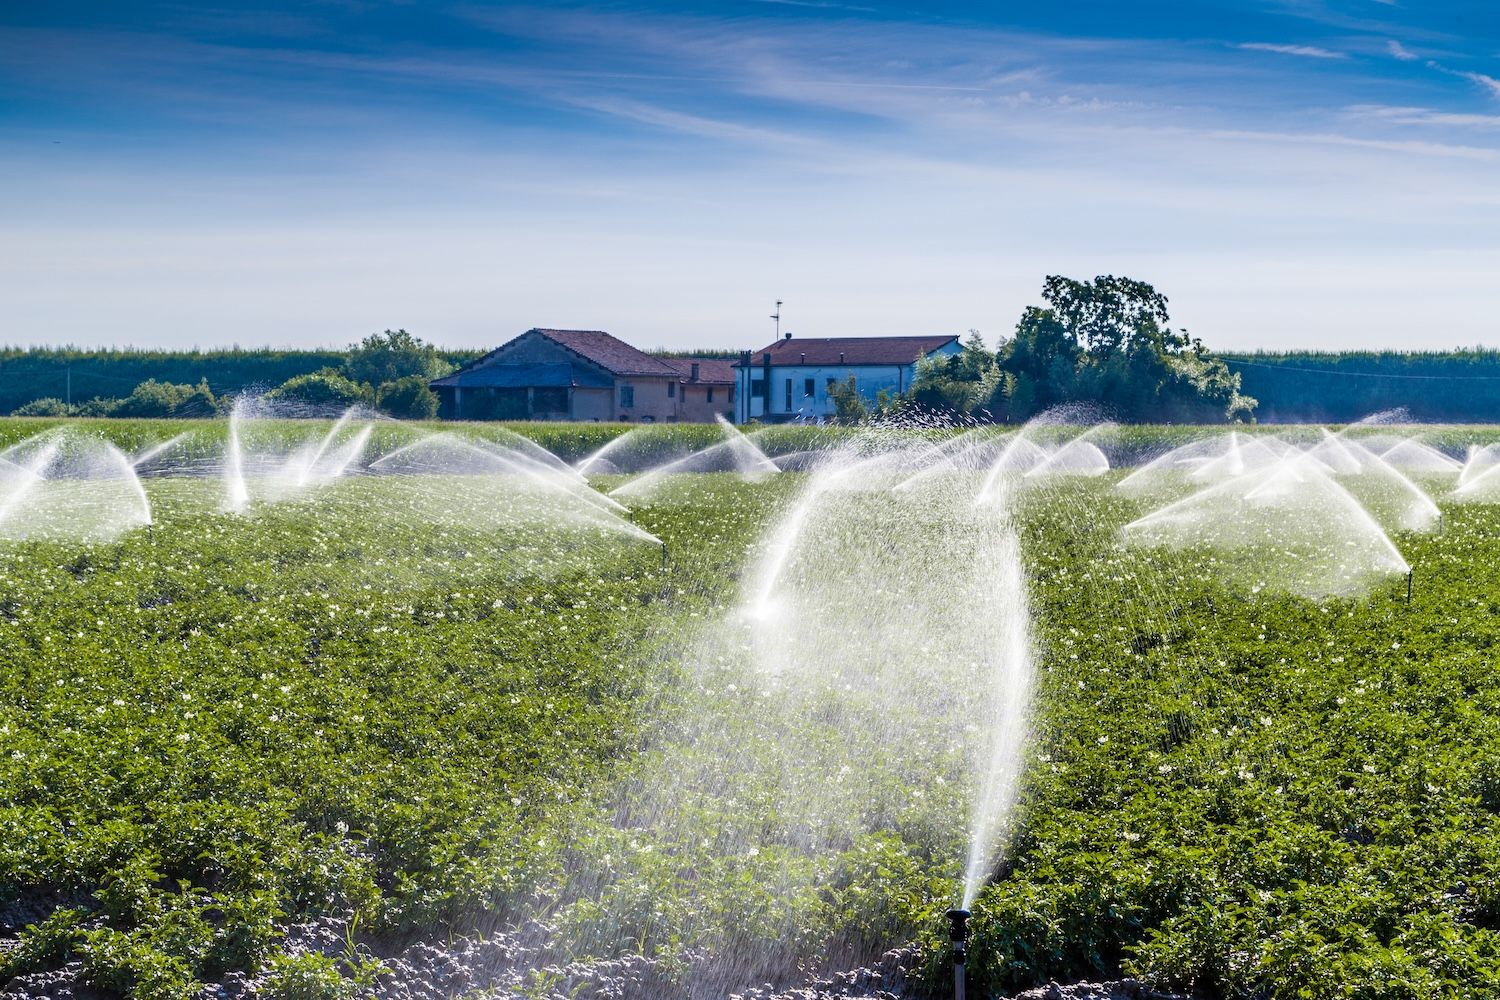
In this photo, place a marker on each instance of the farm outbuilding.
(547, 374)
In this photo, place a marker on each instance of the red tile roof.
(849, 350)
(714, 371)
(608, 352)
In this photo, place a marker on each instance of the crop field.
(743, 723)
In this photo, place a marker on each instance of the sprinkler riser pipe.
(958, 933)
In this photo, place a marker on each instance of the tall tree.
(392, 355)
(1109, 341)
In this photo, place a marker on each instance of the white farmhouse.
(789, 380)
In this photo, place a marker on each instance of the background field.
(226, 726)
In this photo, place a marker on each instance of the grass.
(228, 725)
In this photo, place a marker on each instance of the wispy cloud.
(1489, 83)
(1306, 51)
(1424, 116)
(641, 144)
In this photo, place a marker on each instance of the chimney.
(786, 336)
(841, 357)
(694, 376)
(802, 359)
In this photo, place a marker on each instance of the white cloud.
(1307, 51)
(883, 177)
(1424, 116)
(1487, 82)
(1399, 51)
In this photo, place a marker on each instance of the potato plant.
(230, 724)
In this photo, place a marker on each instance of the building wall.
(870, 380)
(593, 404)
(652, 402)
(533, 348)
(696, 407)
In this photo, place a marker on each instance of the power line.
(1330, 371)
(64, 371)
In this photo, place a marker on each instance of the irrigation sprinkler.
(664, 556)
(1408, 586)
(958, 933)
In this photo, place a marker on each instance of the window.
(789, 395)
(831, 383)
(710, 391)
(627, 395)
(809, 387)
(671, 390)
(757, 387)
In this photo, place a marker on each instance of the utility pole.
(777, 317)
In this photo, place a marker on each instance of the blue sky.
(1291, 173)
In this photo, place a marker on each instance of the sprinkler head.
(958, 932)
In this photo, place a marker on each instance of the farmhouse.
(584, 375)
(790, 379)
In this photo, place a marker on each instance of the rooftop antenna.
(777, 317)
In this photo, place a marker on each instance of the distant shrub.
(165, 399)
(392, 356)
(48, 407)
(409, 398)
(326, 388)
(99, 406)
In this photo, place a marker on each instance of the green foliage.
(392, 356)
(322, 389)
(47, 406)
(1244, 794)
(848, 405)
(149, 399)
(315, 712)
(960, 383)
(27, 374)
(238, 723)
(1345, 386)
(408, 398)
(163, 399)
(99, 406)
(308, 976)
(1105, 342)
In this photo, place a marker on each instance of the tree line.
(1460, 386)
(388, 371)
(1106, 341)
